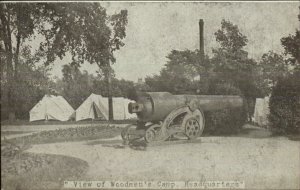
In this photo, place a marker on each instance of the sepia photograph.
(150, 95)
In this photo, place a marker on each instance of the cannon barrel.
(155, 106)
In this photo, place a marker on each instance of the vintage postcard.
(150, 95)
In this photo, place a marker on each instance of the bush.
(285, 105)
(224, 88)
(225, 122)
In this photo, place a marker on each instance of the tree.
(120, 88)
(88, 33)
(34, 85)
(285, 96)
(272, 67)
(18, 70)
(232, 65)
(230, 60)
(227, 73)
(291, 46)
(182, 73)
(75, 85)
(82, 29)
(285, 104)
(17, 23)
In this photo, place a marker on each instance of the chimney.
(201, 26)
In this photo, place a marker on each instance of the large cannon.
(162, 115)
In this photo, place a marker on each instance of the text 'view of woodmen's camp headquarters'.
(150, 95)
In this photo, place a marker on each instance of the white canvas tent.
(96, 107)
(261, 111)
(92, 108)
(51, 108)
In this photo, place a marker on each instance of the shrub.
(285, 105)
(224, 89)
(225, 122)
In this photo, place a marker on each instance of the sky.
(156, 28)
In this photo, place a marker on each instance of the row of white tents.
(94, 107)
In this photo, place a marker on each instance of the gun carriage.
(162, 115)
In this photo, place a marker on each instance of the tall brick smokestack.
(201, 26)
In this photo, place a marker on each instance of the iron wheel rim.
(192, 128)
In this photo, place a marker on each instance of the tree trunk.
(9, 61)
(17, 56)
(10, 99)
(110, 100)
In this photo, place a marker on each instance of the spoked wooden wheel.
(125, 133)
(192, 128)
(193, 124)
(152, 133)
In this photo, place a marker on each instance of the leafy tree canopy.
(291, 45)
(77, 85)
(230, 38)
(231, 57)
(231, 63)
(183, 73)
(273, 67)
(82, 29)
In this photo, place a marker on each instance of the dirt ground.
(256, 158)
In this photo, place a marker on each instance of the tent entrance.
(96, 112)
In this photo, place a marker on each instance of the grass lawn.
(70, 134)
(39, 171)
(53, 122)
(14, 132)
(22, 170)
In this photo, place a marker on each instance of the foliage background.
(92, 36)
